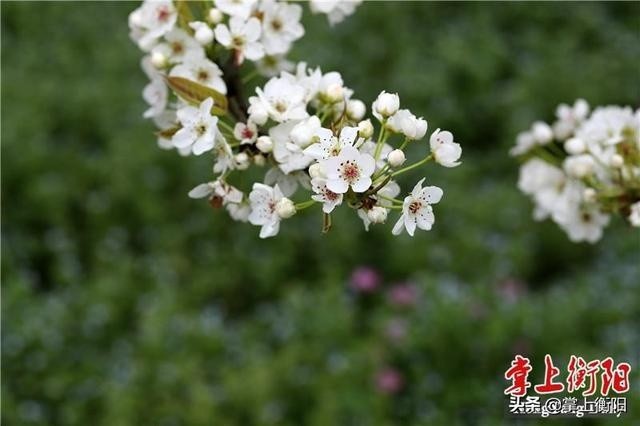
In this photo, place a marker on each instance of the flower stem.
(380, 143)
(305, 204)
(413, 166)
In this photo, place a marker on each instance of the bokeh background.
(126, 303)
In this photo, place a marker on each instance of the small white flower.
(280, 26)
(156, 94)
(264, 200)
(203, 32)
(444, 150)
(304, 132)
(316, 171)
(151, 21)
(199, 128)
(336, 10)
(272, 65)
(288, 183)
(217, 188)
(385, 105)
(634, 216)
(324, 195)
(285, 208)
(524, 142)
(280, 99)
(242, 37)
(202, 71)
(239, 212)
(328, 145)
(289, 155)
(569, 117)
(246, 133)
(377, 214)
(403, 121)
(616, 161)
(350, 169)
(159, 60)
(178, 46)
(236, 8)
(225, 160)
(396, 158)
(417, 210)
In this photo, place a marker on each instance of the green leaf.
(195, 93)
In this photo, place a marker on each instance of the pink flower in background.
(396, 330)
(403, 295)
(511, 290)
(389, 381)
(365, 279)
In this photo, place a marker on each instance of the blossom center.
(203, 75)
(329, 195)
(177, 47)
(276, 24)
(247, 133)
(350, 171)
(280, 106)
(415, 207)
(201, 129)
(163, 14)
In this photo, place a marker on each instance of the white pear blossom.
(377, 214)
(385, 105)
(264, 199)
(328, 145)
(349, 169)
(236, 8)
(403, 121)
(579, 166)
(224, 158)
(177, 46)
(280, 100)
(289, 182)
(324, 195)
(417, 210)
(444, 150)
(152, 20)
(272, 65)
(241, 36)
(289, 155)
(336, 10)
(201, 70)
(199, 128)
(220, 189)
(246, 133)
(569, 117)
(280, 26)
(356, 109)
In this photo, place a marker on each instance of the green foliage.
(124, 302)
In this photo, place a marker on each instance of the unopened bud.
(365, 129)
(158, 60)
(356, 109)
(264, 144)
(616, 161)
(215, 16)
(377, 214)
(334, 93)
(316, 171)
(285, 208)
(396, 158)
(242, 161)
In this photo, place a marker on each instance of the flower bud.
(365, 129)
(258, 114)
(542, 132)
(204, 35)
(215, 16)
(356, 109)
(396, 158)
(264, 144)
(386, 104)
(616, 161)
(589, 195)
(377, 214)
(285, 208)
(158, 60)
(316, 171)
(334, 93)
(579, 166)
(575, 146)
(242, 161)
(259, 160)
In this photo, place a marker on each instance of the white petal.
(367, 164)
(253, 51)
(361, 184)
(202, 145)
(399, 226)
(410, 224)
(223, 35)
(338, 186)
(201, 191)
(431, 194)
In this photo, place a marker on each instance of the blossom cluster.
(583, 168)
(303, 127)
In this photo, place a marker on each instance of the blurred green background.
(126, 303)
